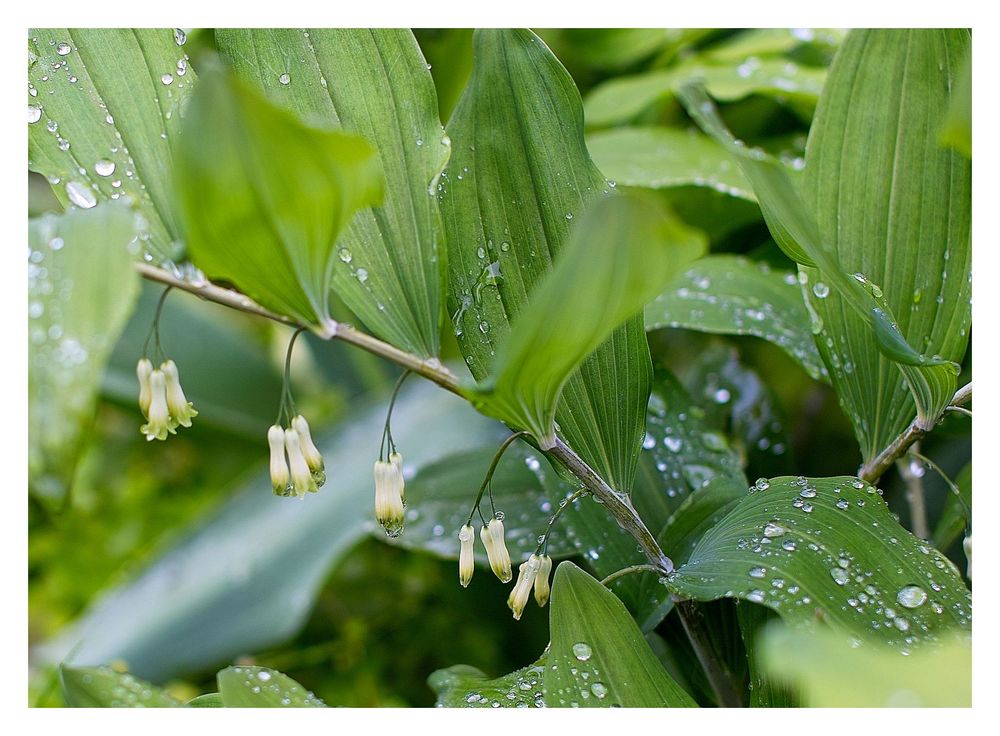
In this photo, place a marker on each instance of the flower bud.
(182, 411)
(388, 497)
(967, 548)
(309, 450)
(159, 418)
(397, 460)
(526, 575)
(542, 580)
(142, 371)
(279, 467)
(302, 480)
(496, 549)
(466, 555)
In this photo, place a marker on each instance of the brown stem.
(874, 468)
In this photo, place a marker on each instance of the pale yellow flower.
(279, 466)
(389, 507)
(159, 420)
(314, 459)
(302, 479)
(496, 549)
(466, 555)
(526, 575)
(542, 580)
(182, 411)
(143, 369)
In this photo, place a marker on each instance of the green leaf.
(872, 158)
(390, 268)
(245, 578)
(828, 549)
(523, 487)
(270, 230)
(832, 671)
(106, 105)
(732, 295)
(103, 687)
(660, 158)
(259, 687)
(762, 42)
(956, 517)
(462, 686)
(929, 377)
(623, 98)
(598, 657)
(957, 129)
(208, 700)
(81, 290)
(618, 257)
(765, 692)
(519, 173)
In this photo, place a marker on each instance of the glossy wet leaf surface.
(104, 687)
(104, 113)
(390, 262)
(462, 686)
(244, 686)
(829, 549)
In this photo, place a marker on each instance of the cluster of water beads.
(260, 681)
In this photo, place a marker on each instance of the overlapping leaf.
(104, 112)
(74, 320)
(519, 175)
(598, 658)
(103, 687)
(462, 686)
(929, 377)
(244, 686)
(391, 259)
(733, 295)
(264, 197)
(828, 549)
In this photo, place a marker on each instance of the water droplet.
(839, 575)
(34, 113)
(763, 484)
(167, 78)
(901, 623)
(104, 167)
(80, 194)
(821, 290)
(599, 689)
(808, 493)
(582, 651)
(180, 37)
(757, 572)
(843, 504)
(263, 676)
(773, 529)
(63, 49)
(362, 275)
(911, 596)
(345, 255)
(755, 596)
(721, 396)
(52, 126)
(788, 545)
(569, 215)
(673, 443)
(285, 78)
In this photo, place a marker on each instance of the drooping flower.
(182, 411)
(967, 548)
(496, 549)
(526, 575)
(389, 497)
(314, 459)
(396, 459)
(466, 555)
(542, 580)
(302, 479)
(143, 369)
(159, 420)
(279, 466)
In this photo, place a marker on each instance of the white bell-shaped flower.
(496, 549)
(397, 460)
(143, 369)
(389, 507)
(181, 410)
(526, 575)
(314, 459)
(542, 589)
(280, 479)
(466, 554)
(302, 479)
(159, 420)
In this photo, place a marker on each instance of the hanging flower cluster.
(296, 465)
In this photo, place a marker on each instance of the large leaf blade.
(598, 658)
(74, 320)
(104, 112)
(244, 686)
(270, 230)
(104, 687)
(373, 82)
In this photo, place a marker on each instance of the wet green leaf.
(462, 686)
(832, 671)
(829, 549)
(390, 264)
(956, 517)
(598, 657)
(519, 174)
(104, 112)
(733, 295)
(103, 687)
(208, 700)
(660, 158)
(74, 320)
(270, 230)
(259, 687)
(957, 130)
(765, 691)
(618, 257)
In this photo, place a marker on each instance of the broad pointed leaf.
(462, 686)
(264, 197)
(598, 658)
(519, 174)
(896, 206)
(103, 687)
(104, 112)
(81, 290)
(618, 257)
(828, 549)
(390, 269)
(244, 686)
(732, 295)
